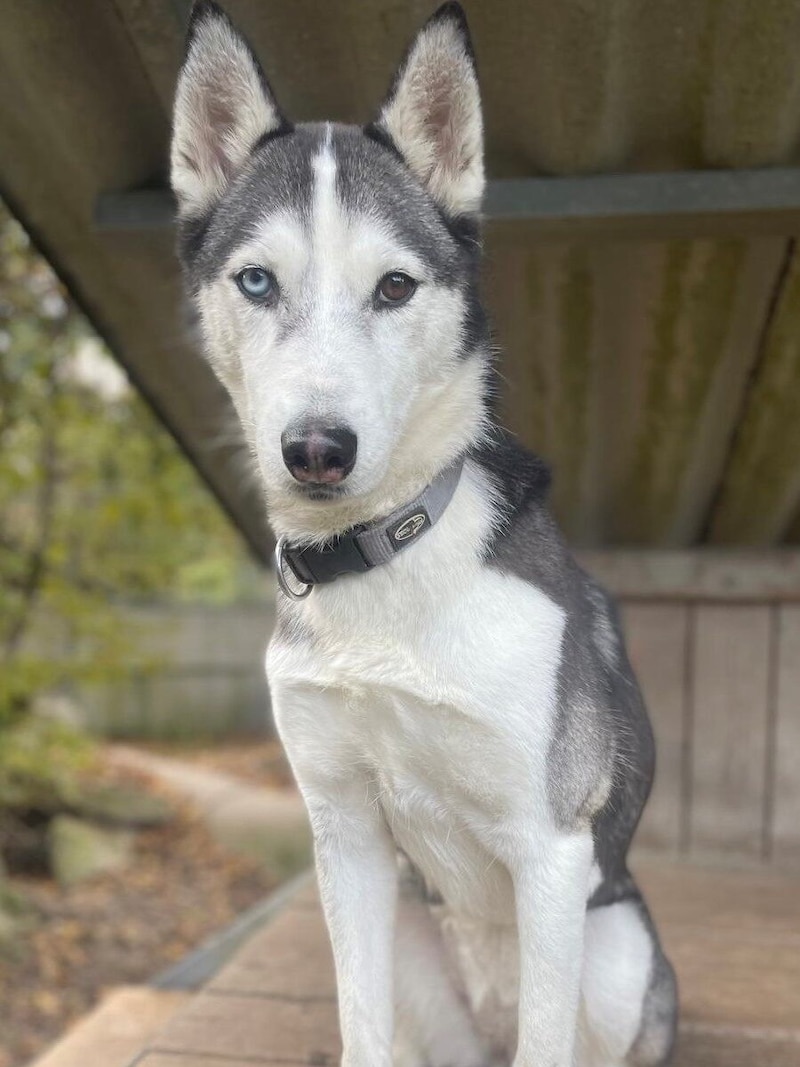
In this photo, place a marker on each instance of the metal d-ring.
(280, 567)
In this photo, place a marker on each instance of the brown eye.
(394, 289)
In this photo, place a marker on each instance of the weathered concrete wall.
(659, 377)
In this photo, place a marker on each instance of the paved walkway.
(733, 936)
(127, 1018)
(266, 823)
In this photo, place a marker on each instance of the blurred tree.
(97, 504)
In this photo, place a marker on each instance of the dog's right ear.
(223, 107)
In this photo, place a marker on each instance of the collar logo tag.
(410, 527)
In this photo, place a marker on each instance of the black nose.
(319, 455)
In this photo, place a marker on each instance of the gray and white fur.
(462, 721)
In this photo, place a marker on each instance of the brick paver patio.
(734, 938)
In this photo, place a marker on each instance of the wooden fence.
(198, 674)
(715, 640)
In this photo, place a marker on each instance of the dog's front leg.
(550, 884)
(355, 855)
(357, 870)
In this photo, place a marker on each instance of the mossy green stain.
(585, 33)
(753, 507)
(536, 382)
(660, 360)
(697, 87)
(690, 333)
(575, 318)
(758, 75)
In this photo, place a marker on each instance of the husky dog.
(452, 690)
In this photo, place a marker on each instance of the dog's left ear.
(433, 113)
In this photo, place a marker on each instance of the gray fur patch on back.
(601, 756)
(605, 634)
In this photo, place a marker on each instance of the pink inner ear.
(441, 97)
(442, 104)
(219, 114)
(221, 123)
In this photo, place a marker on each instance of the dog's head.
(335, 270)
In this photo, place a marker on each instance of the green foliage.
(97, 504)
(40, 763)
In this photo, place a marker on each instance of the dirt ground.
(124, 927)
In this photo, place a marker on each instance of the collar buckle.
(282, 564)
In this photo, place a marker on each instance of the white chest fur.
(432, 679)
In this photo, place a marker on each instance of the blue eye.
(257, 284)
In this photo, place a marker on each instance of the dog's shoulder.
(526, 540)
(527, 543)
(521, 477)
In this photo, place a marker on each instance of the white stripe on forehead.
(328, 223)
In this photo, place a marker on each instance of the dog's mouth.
(319, 493)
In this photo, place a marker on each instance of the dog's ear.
(432, 113)
(223, 107)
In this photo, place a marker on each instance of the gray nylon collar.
(369, 545)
